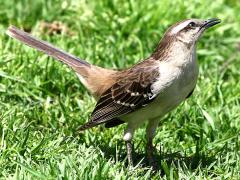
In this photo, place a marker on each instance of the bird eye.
(192, 24)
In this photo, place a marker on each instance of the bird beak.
(210, 22)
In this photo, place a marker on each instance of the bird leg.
(150, 149)
(151, 154)
(128, 139)
(129, 152)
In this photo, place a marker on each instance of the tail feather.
(45, 47)
(97, 80)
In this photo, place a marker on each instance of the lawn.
(42, 100)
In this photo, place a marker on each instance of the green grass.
(42, 101)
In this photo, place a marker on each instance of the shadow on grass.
(165, 160)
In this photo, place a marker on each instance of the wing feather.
(131, 92)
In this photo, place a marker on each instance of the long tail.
(45, 47)
(96, 79)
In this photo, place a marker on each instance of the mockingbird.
(146, 91)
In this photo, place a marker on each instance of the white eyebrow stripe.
(179, 27)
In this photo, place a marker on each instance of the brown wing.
(131, 92)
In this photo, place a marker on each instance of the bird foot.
(153, 163)
(151, 158)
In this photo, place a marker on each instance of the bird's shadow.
(164, 159)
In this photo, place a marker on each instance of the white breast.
(177, 78)
(180, 69)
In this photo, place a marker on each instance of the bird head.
(190, 30)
